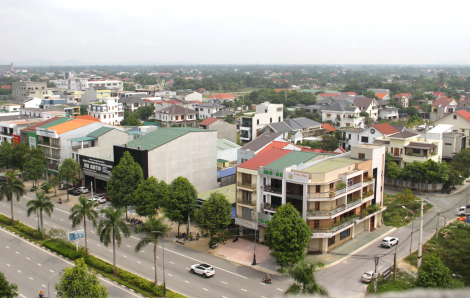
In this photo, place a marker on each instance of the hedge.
(63, 250)
(20, 228)
(98, 264)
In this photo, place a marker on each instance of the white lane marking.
(51, 271)
(128, 246)
(153, 268)
(205, 289)
(92, 232)
(98, 245)
(244, 290)
(223, 282)
(17, 252)
(139, 262)
(186, 281)
(187, 268)
(19, 211)
(111, 250)
(45, 223)
(226, 296)
(28, 259)
(19, 271)
(43, 286)
(124, 256)
(262, 283)
(263, 297)
(22, 295)
(172, 263)
(61, 219)
(8, 265)
(142, 251)
(55, 227)
(7, 247)
(135, 238)
(169, 250)
(280, 290)
(169, 274)
(39, 264)
(30, 278)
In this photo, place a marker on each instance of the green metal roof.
(228, 191)
(3, 111)
(292, 158)
(223, 144)
(135, 132)
(162, 136)
(330, 164)
(99, 132)
(56, 122)
(83, 139)
(221, 160)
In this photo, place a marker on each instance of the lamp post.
(411, 244)
(163, 241)
(48, 282)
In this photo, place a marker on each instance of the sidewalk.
(458, 189)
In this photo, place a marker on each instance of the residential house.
(266, 113)
(9, 109)
(93, 93)
(343, 116)
(32, 102)
(306, 127)
(222, 97)
(329, 129)
(383, 95)
(351, 137)
(379, 91)
(227, 150)
(191, 96)
(438, 94)
(176, 115)
(107, 109)
(254, 147)
(325, 95)
(368, 105)
(403, 99)
(313, 184)
(11, 126)
(224, 129)
(132, 103)
(24, 90)
(460, 122)
(442, 107)
(206, 110)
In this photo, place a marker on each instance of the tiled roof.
(99, 132)
(308, 149)
(442, 101)
(87, 117)
(402, 94)
(464, 114)
(280, 127)
(328, 127)
(176, 110)
(264, 159)
(222, 96)
(208, 121)
(363, 102)
(293, 158)
(56, 122)
(340, 107)
(381, 95)
(274, 144)
(437, 94)
(403, 135)
(385, 128)
(350, 93)
(328, 94)
(260, 142)
(70, 125)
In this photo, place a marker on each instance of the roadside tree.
(125, 179)
(287, 235)
(12, 187)
(149, 196)
(215, 213)
(181, 202)
(19, 152)
(305, 282)
(70, 171)
(112, 229)
(461, 161)
(34, 169)
(6, 155)
(83, 210)
(79, 281)
(7, 290)
(54, 181)
(40, 204)
(434, 274)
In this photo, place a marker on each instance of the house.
(443, 85)
(222, 97)
(206, 110)
(328, 127)
(305, 126)
(11, 126)
(107, 110)
(165, 155)
(176, 115)
(313, 184)
(452, 141)
(132, 103)
(224, 129)
(223, 114)
(406, 147)
(254, 147)
(227, 150)
(93, 93)
(460, 121)
(368, 105)
(441, 107)
(325, 95)
(191, 96)
(403, 99)
(438, 94)
(266, 113)
(351, 137)
(10, 109)
(379, 91)
(382, 96)
(343, 116)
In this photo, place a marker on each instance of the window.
(328, 115)
(279, 120)
(276, 201)
(246, 212)
(416, 151)
(317, 188)
(331, 241)
(455, 116)
(201, 109)
(279, 110)
(448, 144)
(362, 156)
(344, 234)
(316, 224)
(365, 139)
(265, 110)
(331, 185)
(270, 120)
(257, 121)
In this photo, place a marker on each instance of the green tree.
(34, 168)
(151, 226)
(19, 152)
(6, 155)
(414, 172)
(7, 290)
(461, 161)
(287, 235)
(426, 107)
(79, 281)
(112, 229)
(41, 203)
(215, 213)
(364, 114)
(131, 121)
(181, 202)
(83, 210)
(329, 143)
(305, 282)
(83, 110)
(149, 196)
(54, 181)
(70, 171)
(12, 187)
(145, 112)
(125, 178)
(433, 273)
(51, 85)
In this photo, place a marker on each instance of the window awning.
(423, 146)
(83, 139)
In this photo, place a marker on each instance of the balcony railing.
(273, 189)
(356, 185)
(327, 194)
(6, 133)
(334, 211)
(50, 155)
(246, 185)
(269, 207)
(75, 148)
(250, 218)
(244, 201)
(246, 124)
(340, 225)
(353, 203)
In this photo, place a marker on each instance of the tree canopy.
(149, 196)
(181, 202)
(215, 213)
(70, 171)
(305, 282)
(7, 290)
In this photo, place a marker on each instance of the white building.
(343, 116)
(111, 84)
(206, 110)
(107, 110)
(73, 84)
(351, 137)
(266, 113)
(165, 93)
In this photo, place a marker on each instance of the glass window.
(331, 241)
(246, 212)
(344, 234)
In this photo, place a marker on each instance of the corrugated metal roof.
(263, 159)
(223, 144)
(260, 141)
(226, 172)
(99, 132)
(83, 139)
(293, 158)
(56, 122)
(70, 125)
(330, 165)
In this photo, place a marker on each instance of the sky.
(236, 32)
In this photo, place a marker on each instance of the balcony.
(75, 148)
(241, 200)
(4, 133)
(249, 218)
(329, 213)
(367, 196)
(53, 156)
(49, 144)
(269, 208)
(273, 189)
(246, 185)
(246, 124)
(342, 224)
(356, 185)
(332, 195)
(368, 181)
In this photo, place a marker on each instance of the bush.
(341, 185)
(98, 264)
(137, 281)
(63, 250)
(373, 208)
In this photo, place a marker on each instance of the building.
(107, 110)
(224, 129)
(108, 84)
(24, 90)
(264, 141)
(93, 93)
(165, 155)
(132, 103)
(192, 96)
(72, 84)
(9, 109)
(406, 147)
(289, 127)
(379, 91)
(227, 150)
(442, 107)
(11, 126)
(266, 113)
(222, 97)
(6, 68)
(403, 99)
(206, 110)
(343, 116)
(460, 122)
(452, 141)
(332, 193)
(32, 102)
(176, 115)
(368, 105)
(351, 137)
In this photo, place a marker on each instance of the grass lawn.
(405, 281)
(395, 213)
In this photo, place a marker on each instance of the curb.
(256, 267)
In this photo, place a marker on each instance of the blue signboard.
(75, 235)
(467, 220)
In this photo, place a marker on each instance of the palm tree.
(11, 187)
(81, 211)
(42, 203)
(303, 274)
(110, 229)
(151, 226)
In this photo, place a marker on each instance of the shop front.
(96, 172)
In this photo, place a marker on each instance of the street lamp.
(163, 241)
(48, 289)
(411, 244)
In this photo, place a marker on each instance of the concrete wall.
(104, 145)
(418, 186)
(192, 156)
(244, 154)
(193, 96)
(225, 130)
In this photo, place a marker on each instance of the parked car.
(106, 197)
(202, 269)
(99, 199)
(74, 192)
(63, 186)
(461, 211)
(389, 242)
(368, 276)
(2, 179)
(83, 189)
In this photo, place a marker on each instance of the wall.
(104, 145)
(229, 154)
(244, 154)
(225, 130)
(417, 186)
(195, 96)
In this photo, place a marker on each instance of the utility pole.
(437, 225)
(187, 230)
(395, 265)
(376, 260)
(254, 246)
(420, 244)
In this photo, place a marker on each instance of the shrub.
(373, 208)
(98, 264)
(341, 185)
(137, 281)
(63, 250)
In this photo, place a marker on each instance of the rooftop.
(223, 144)
(293, 158)
(385, 128)
(260, 142)
(263, 159)
(208, 121)
(228, 191)
(404, 135)
(330, 165)
(99, 132)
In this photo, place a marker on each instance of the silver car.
(389, 242)
(368, 276)
(83, 189)
(99, 199)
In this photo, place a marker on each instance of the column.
(304, 202)
(352, 231)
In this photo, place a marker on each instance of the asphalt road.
(230, 279)
(31, 267)
(343, 279)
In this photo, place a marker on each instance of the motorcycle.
(267, 280)
(42, 294)
(235, 239)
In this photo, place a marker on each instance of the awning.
(424, 146)
(83, 139)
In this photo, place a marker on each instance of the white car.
(202, 269)
(461, 211)
(389, 242)
(83, 189)
(99, 199)
(368, 276)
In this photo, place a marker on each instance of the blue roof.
(226, 172)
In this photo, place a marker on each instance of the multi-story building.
(72, 84)
(93, 93)
(224, 129)
(132, 103)
(442, 107)
(368, 105)
(331, 193)
(343, 116)
(10, 127)
(351, 137)
(266, 113)
(460, 121)
(307, 127)
(107, 110)
(206, 110)
(10, 109)
(176, 115)
(24, 90)
(109, 84)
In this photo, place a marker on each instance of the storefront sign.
(96, 165)
(298, 177)
(15, 139)
(46, 132)
(386, 274)
(32, 142)
(245, 223)
(322, 235)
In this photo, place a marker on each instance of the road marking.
(135, 238)
(55, 227)
(51, 271)
(128, 246)
(92, 232)
(19, 211)
(124, 256)
(142, 251)
(111, 250)
(223, 282)
(153, 268)
(7, 247)
(187, 268)
(28, 259)
(8, 265)
(169, 274)
(22, 295)
(139, 262)
(172, 263)
(61, 219)
(226, 296)
(17, 252)
(43, 285)
(205, 289)
(45, 223)
(19, 271)
(30, 278)
(262, 283)
(243, 290)
(186, 281)
(280, 290)
(263, 297)
(39, 264)
(98, 245)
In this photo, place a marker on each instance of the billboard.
(298, 177)
(76, 235)
(96, 165)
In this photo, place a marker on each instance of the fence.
(415, 186)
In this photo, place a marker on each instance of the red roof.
(274, 144)
(33, 127)
(385, 128)
(171, 101)
(350, 93)
(328, 127)
(402, 94)
(444, 101)
(438, 94)
(222, 96)
(381, 95)
(417, 107)
(329, 94)
(6, 87)
(208, 121)
(87, 117)
(464, 114)
(264, 159)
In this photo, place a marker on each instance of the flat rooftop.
(228, 191)
(330, 165)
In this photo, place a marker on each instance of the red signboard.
(15, 140)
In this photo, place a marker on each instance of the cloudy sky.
(235, 32)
